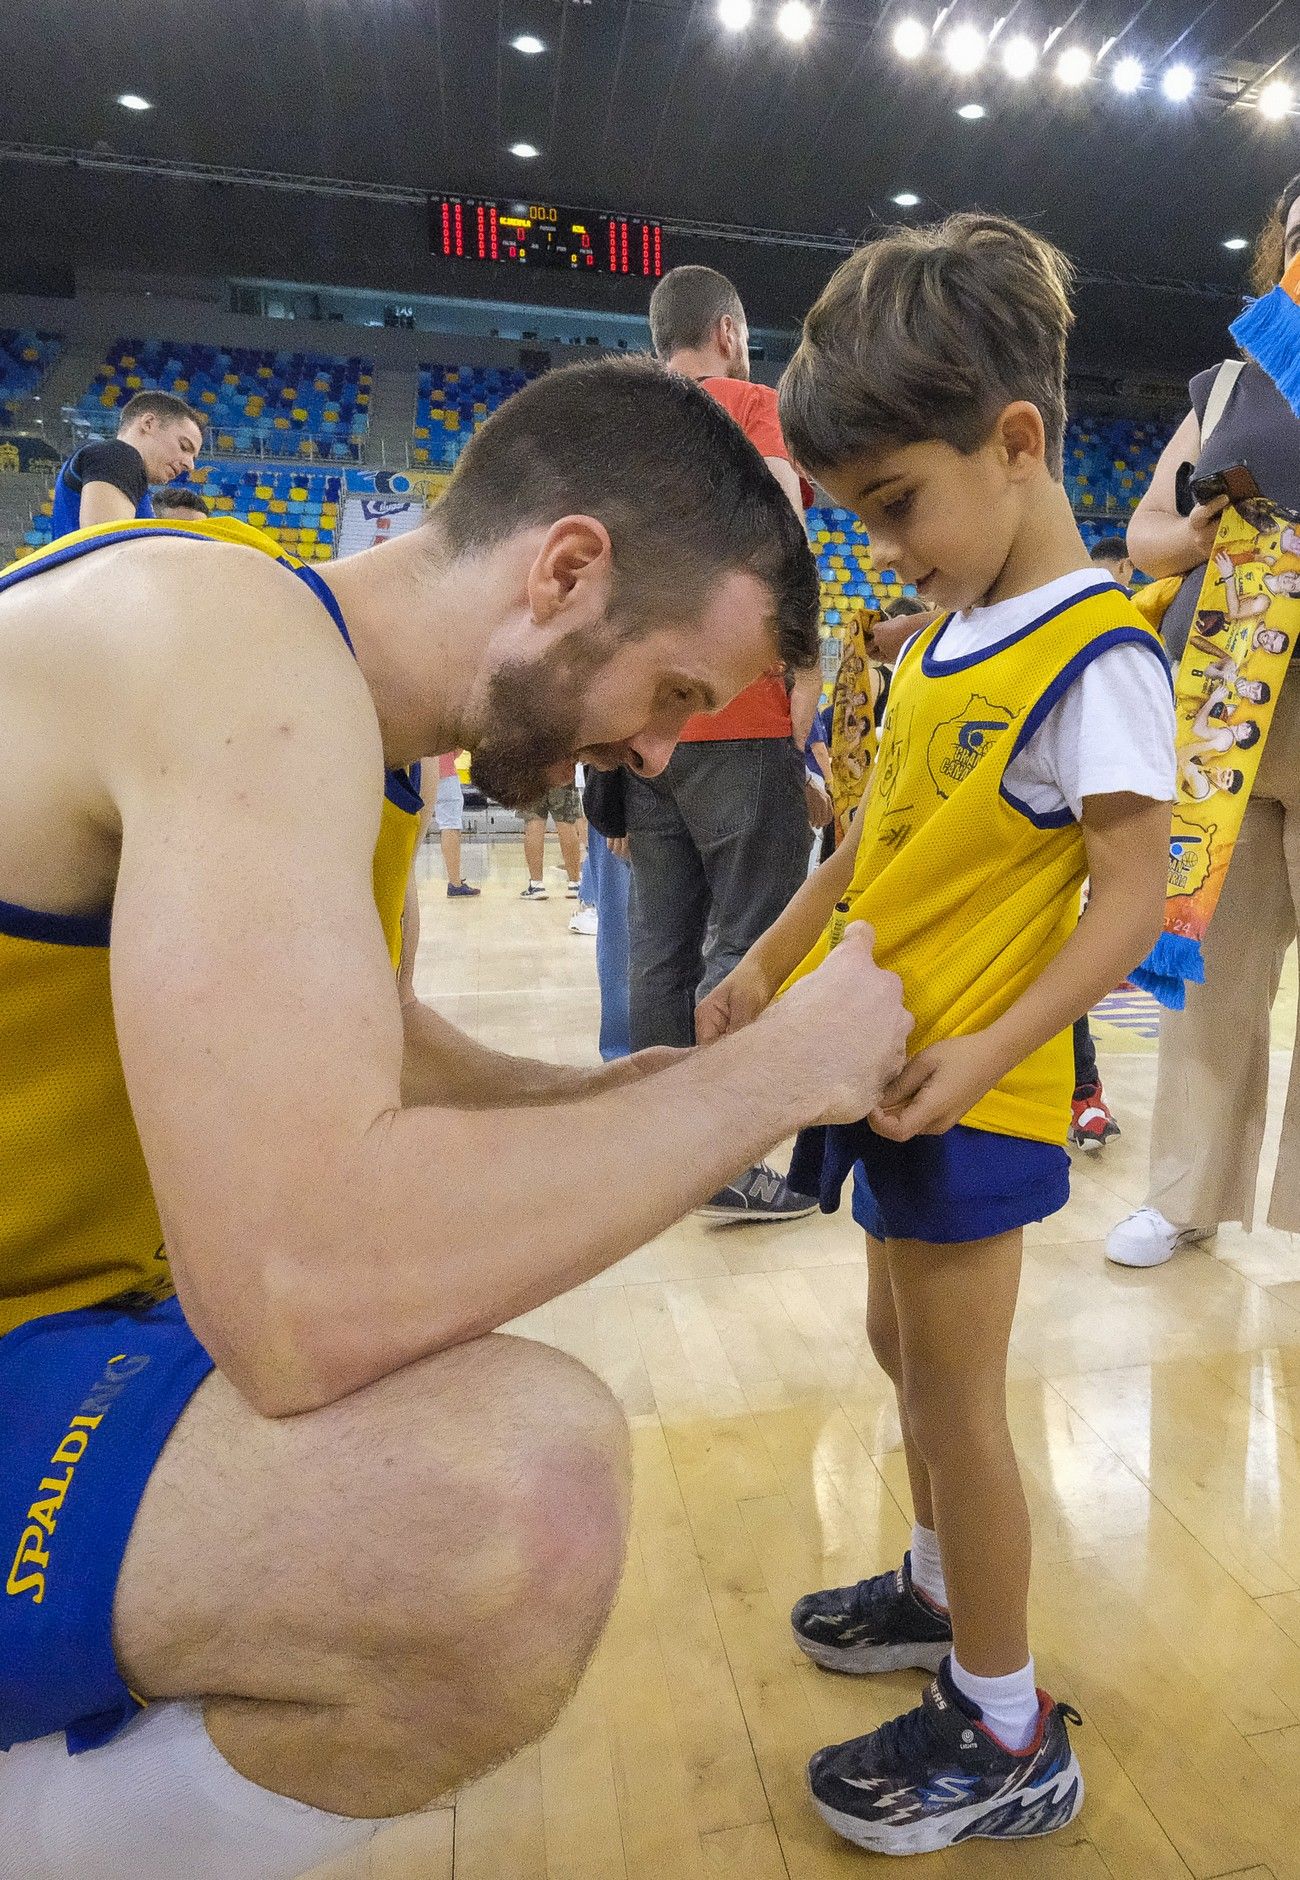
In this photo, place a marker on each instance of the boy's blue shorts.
(967, 1184)
(87, 1400)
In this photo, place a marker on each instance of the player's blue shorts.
(967, 1184)
(87, 1400)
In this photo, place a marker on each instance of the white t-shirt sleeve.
(1113, 732)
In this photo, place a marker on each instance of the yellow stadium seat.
(257, 517)
(264, 372)
(420, 453)
(422, 430)
(30, 354)
(288, 391)
(300, 414)
(451, 421)
(297, 495)
(322, 552)
(230, 378)
(308, 535)
(278, 506)
(320, 385)
(127, 359)
(280, 424)
(208, 398)
(134, 381)
(109, 397)
(181, 385)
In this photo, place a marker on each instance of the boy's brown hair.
(926, 335)
(164, 405)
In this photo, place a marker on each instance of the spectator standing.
(449, 814)
(564, 808)
(719, 841)
(1207, 1125)
(158, 438)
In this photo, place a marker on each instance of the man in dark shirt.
(158, 438)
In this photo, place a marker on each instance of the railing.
(82, 429)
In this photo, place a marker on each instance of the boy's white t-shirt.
(1112, 732)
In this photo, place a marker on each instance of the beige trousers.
(1212, 1082)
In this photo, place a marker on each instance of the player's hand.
(848, 1029)
(734, 1002)
(935, 1089)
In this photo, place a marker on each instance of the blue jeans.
(604, 886)
(719, 847)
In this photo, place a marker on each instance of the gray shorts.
(562, 805)
(449, 804)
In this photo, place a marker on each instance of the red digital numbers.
(470, 228)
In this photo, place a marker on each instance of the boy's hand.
(734, 1002)
(936, 1089)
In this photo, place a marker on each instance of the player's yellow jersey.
(78, 1222)
(970, 891)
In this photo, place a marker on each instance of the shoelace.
(905, 1741)
(871, 1593)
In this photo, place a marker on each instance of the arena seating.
(850, 579)
(1109, 461)
(300, 508)
(25, 358)
(286, 403)
(451, 401)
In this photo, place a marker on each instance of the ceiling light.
(1276, 99)
(529, 43)
(910, 39)
(1019, 56)
(971, 111)
(1236, 242)
(1128, 74)
(132, 101)
(524, 150)
(1074, 66)
(794, 20)
(1178, 83)
(735, 15)
(906, 200)
(964, 49)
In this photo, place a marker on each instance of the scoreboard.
(539, 235)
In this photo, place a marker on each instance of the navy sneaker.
(935, 1776)
(882, 1624)
(462, 888)
(760, 1194)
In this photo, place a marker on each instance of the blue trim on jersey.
(325, 595)
(60, 930)
(935, 668)
(402, 788)
(1039, 712)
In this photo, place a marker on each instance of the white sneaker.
(571, 890)
(1146, 1238)
(584, 921)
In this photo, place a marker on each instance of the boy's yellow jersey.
(78, 1222)
(971, 893)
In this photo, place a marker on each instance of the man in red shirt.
(719, 841)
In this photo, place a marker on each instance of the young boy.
(1028, 744)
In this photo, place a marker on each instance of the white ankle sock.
(158, 1801)
(1009, 1704)
(927, 1568)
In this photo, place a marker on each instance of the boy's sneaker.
(936, 1776)
(760, 1194)
(881, 1624)
(535, 891)
(1091, 1124)
(455, 888)
(585, 920)
(1146, 1238)
(571, 890)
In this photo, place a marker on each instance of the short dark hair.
(925, 335)
(1109, 548)
(164, 405)
(687, 305)
(685, 496)
(179, 496)
(1247, 733)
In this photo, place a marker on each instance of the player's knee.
(950, 1410)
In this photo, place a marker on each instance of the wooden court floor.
(1156, 1416)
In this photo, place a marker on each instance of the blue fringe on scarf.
(1269, 330)
(1173, 962)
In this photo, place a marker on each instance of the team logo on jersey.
(958, 744)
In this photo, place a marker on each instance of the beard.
(534, 711)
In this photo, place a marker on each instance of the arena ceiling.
(653, 107)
